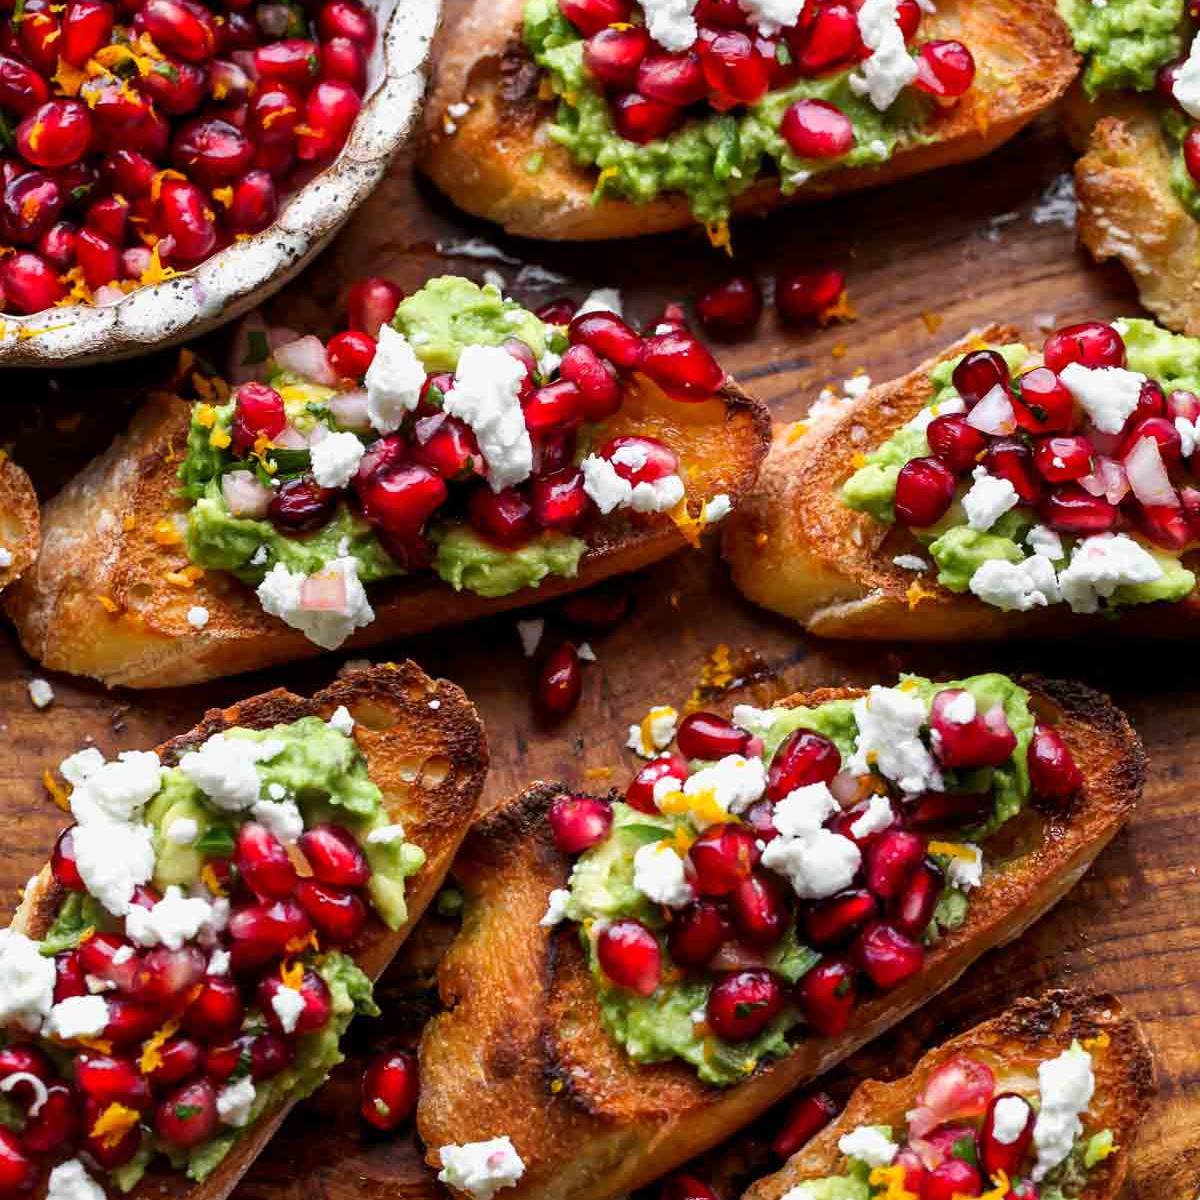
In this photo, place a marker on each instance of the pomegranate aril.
(945, 69)
(831, 40)
(504, 517)
(334, 856)
(267, 929)
(275, 110)
(98, 258)
(1007, 1156)
(296, 61)
(559, 501)
(263, 863)
(167, 974)
(176, 88)
(676, 79)
(560, 682)
(347, 19)
(106, 1153)
(553, 407)
(720, 14)
(1091, 343)
(1010, 458)
(29, 284)
(760, 909)
(835, 921)
(188, 1116)
(22, 89)
(579, 822)
(948, 810)
(178, 1058)
(339, 915)
(803, 758)
(641, 120)
(182, 29)
(734, 69)
(1064, 459)
(612, 57)
(1053, 772)
(686, 1187)
(723, 856)
(732, 308)
(18, 1172)
(924, 492)
(350, 353)
(222, 1061)
(129, 173)
(912, 910)
(254, 204)
(743, 1004)
(301, 505)
(211, 150)
(1162, 432)
(372, 302)
(1042, 404)
(827, 995)
(344, 62)
(806, 1117)
(590, 16)
(630, 956)
(30, 205)
(258, 412)
(979, 740)
(640, 793)
(216, 1011)
(888, 956)
(38, 35)
(977, 373)
(705, 735)
(402, 499)
(390, 1086)
(817, 129)
(681, 366)
(1183, 404)
(609, 336)
(557, 312)
(69, 977)
(108, 216)
(696, 934)
(640, 459)
(20, 1059)
(111, 957)
(110, 1080)
(598, 391)
(129, 1021)
(56, 1123)
(188, 220)
(891, 862)
(62, 865)
(450, 449)
(1165, 525)
(953, 1180)
(956, 443)
(1070, 509)
(329, 112)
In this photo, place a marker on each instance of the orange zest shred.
(933, 321)
(59, 794)
(292, 974)
(891, 1179)
(308, 941)
(703, 805)
(208, 876)
(165, 533)
(156, 272)
(840, 310)
(999, 1189)
(113, 1124)
(716, 673)
(219, 439)
(1100, 1042)
(100, 1045)
(185, 578)
(690, 527)
(205, 416)
(151, 1058)
(952, 850)
(796, 430)
(720, 237)
(108, 604)
(916, 594)
(598, 773)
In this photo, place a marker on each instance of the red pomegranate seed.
(554, 406)
(723, 856)
(211, 150)
(29, 283)
(609, 336)
(318, 1003)
(602, 608)
(216, 1012)
(56, 134)
(1042, 404)
(641, 120)
(222, 1060)
(1069, 509)
(274, 112)
(686, 1187)
(676, 79)
(800, 295)
(817, 129)
(301, 505)
(1162, 431)
(29, 207)
(1010, 458)
(57, 245)
(705, 735)
(185, 30)
(945, 69)
(402, 499)
(255, 203)
(915, 1171)
(329, 112)
(1052, 768)
(559, 501)
(293, 60)
(449, 446)
(835, 921)
(188, 1116)
(557, 312)
(56, 1124)
(1183, 404)
(62, 864)
(269, 1056)
(22, 1059)
(22, 89)
(681, 365)
(948, 810)
(640, 459)
(981, 740)
(743, 1004)
(612, 57)
(891, 862)
(888, 956)
(68, 976)
(258, 412)
(107, 1154)
(339, 915)
(560, 682)
(351, 353)
(924, 491)
(952, 1180)
(630, 956)
(977, 373)
(831, 40)
(734, 69)
(108, 216)
(334, 856)
(503, 517)
(598, 390)
(264, 931)
(98, 258)
(807, 1115)
(111, 957)
(178, 1058)
(640, 793)
(956, 443)
(760, 910)
(590, 16)
(803, 758)
(228, 83)
(696, 934)
(913, 909)
(38, 33)
(109, 1080)
(347, 19)
(263, 862)
(129, 173)
(720, 14)
(178, 90)
(732, 308)
(130, 1022)
(188, 220)
(372, 302)
(1064, 459)
(1091, 343)
(1165, 525)
(390, 1086)
(827, 996)
(579, 822)
(167, 974)
(345, 62)
(18, 1172)
(1007, 1156)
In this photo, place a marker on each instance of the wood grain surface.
(951, 250)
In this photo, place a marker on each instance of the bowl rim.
(245, 273)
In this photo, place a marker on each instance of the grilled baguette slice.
(1031, 1031)
(795, 548)
(430, 764)
(18, 521)
(1022, 48)
(521, 1049)
(105, 599)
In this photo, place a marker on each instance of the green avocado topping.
(1124, 41)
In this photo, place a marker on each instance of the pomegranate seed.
(29, 207)
(1069, 509)
(915, 1171)
(228, 83)
(705, 735)
(977, 373)
(347, 19)
(269, 1056)
(579, 822)
(275, 110)
(1183, 404)
(211, 150)
(108, 216)
(560, 681)
(372, 302)
(731, 309)
(179, 88)
(57, 245)
(956, 443)
(129, 173)
(55, 134)
(1042, 404)
(22, 89)
(329, 112)
(832, 40)
(318, 1003)
(696, 934)
(817, 129)
(835, 921)
(608, 336)
(39, 34)
(945, 69)
(891, 862)
(98, 258)
(827, 996)
(681, 366)
(743, 1004)
(559, 501)
(558, 312)
(107, 1154)
(598, 393)
(1052, 769)
(216, 1012)
(913, 908)
(188, 220)
(1009, 458)
(803, 758)
(301, 505)
(640, 793)
(56, 1124)
(686, 1187)
(258, 412)
(1162, 431)
(390, 1086)
(403, 499)
(1007, 1156)
(167, 974)
(62, 864)
(29, 283)
(188, 1116)
(800, 295)
(351, 353)
(179, 1058)
(888, 956)
(255, 203)
(953, 1180)
(640, 459)
(260, 932)
(293, 60)
(182, 29)
(109, 1080)
(720, 14)
(924, 492)
(760, 910)
(590, 16)
(1064, 459)
(334, 856)
(981, 740)
(503, 517)
(449, 447)
(18, 1172)
(345, 62)
(263, 862)
(68, 976)
(948, 810)
(339, 915)
(24, 1060)
(130, 1022)
(723, 856)
(734, 69)
(639, 119)
(630, 956)
(612, 57)
(1165, 525)
(1092, 343)
(99, 956)
(552, 407)
(807, 1115)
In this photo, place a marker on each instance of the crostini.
(19, 522)
(583, 119)
(996, 491)
(1043, 1101)
(462, 458)
(639, 977)
(183, 969)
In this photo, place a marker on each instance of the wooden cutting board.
(926, 261)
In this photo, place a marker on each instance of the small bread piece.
(796, 549)
(112, 589)
(1022, 49)
(19, 522)
(1031, 1031)
(430, 763)
(521, 1049)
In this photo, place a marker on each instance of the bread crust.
(106, 598)
(1032, 1030)
(796, 549)
(520, 1049)
(19, 520)
(430, 764)
(1023, 51)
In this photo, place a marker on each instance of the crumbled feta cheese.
(659, 723)
(910, 562)
(487, 395)
(225, 769)
(69, 1181)
(77, 1016)
(1188, 435)
(945, 408)
(889, 723)
(288, 1005)
(856, 386)
(41, 693)
(585, 652)
(393, 381)
(6, 558)
(113, 858)
(1066, 1084)
(235, 1101)
(175, 919)
(458, 111)
(1009, 1118)
(96, 985)
(610, 490)
(1016, 587)
(609, 299)
(890, 68)
(117, 790)
(875, 818)
(259, 557)
(182, 831)
(817, 864)
(385, 835)
(988, 499)
(658, 873)
(734, 783)
(716, 509)
(1045, 542)
(481, 1169)
(1186, 87)
(804, 810)
(197, 616)
(1101, 564)
(341, 721)
(961, 710)
(26, 982)
(280, 592)
(966, 873)
(335, 459)
(549, 363)
(530, 633)
(870, 1145)
(772, 15)
(1108, 394)
(218, 963)
(556, 908)
(77, 768)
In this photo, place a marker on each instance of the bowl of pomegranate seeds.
(169, 164)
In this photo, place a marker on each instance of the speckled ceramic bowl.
(241, 276)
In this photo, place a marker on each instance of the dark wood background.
(926, 261)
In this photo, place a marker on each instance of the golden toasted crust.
(430, 764)
(1022, 49)
(107, 599)
(520, 1049)
(1031, 1031)
(18, 521)
(795, 548)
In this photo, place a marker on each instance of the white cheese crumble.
(341, 721)
(660, 723)
(716, 509)
(734, 783)
(481, 1169)
(609, 299)
(1066, 1084)
(218, 963)
(910, 562)
(1016, 587)
(1189, 434)
(889, 724)
(988, 499)
(41, 693)
(875, 818)
(77, 768)
(281, 817)
(890, 68)
(385, 835)
(586, 653)
(118, 790)
(6, 558)
(945, 408)
(962, 709)
(393, 381)
(182, 831)
(174, 920)
(113, 858)
(225, 769)
(1108, 394)
(279, 594)
(530, 633)
(69, 1181)
(817, 864)
(335, 459)
(235, 1102)
(197, 616)
(966, 873)
(1045, 542)
(804, 810)
(1009, 1118)
(26, 982)
(287, 1004)
(772, 15)
(556, 908)
(1101, 564)
(1187, 81)
(658, 873)
(870, 1145)
(610, 490)
(77, 1016)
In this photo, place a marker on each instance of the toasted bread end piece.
(19, 521)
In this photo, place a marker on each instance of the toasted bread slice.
(1022, 49)
(795, 548)
(19, 534)
(521, 1049)
(107, 599)
(430, 764)
(1030, 1032)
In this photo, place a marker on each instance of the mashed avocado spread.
(440, 321)
(1124, 41)
(711, 158)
